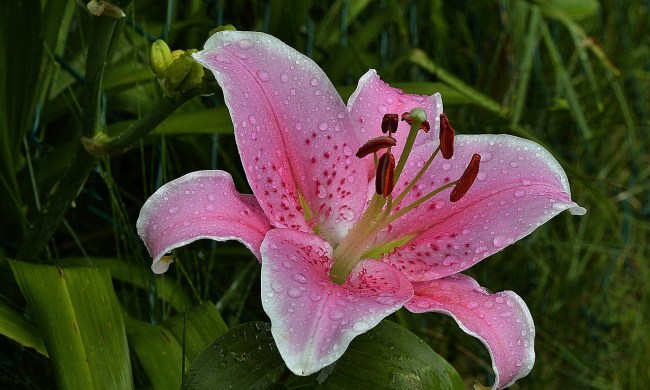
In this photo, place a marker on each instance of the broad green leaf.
(201, 326)
(166, 288)
(19, 329)
(244, 358)
(387, 357)
(161, 348)
(391, 357)
(80, 320)
(159, 353)
(208, 121)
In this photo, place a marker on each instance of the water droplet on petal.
(262, 75)
(284, 78)
(322, 192)
(294, 293)
(501, 241)
(277, 286)
(519, 193)
(300, 278)
(322, 125)
(173, 210)
(446, 166)
(245, 44)
(209, 207)
(481, 176)
(336, 315)
(481, 249)
(313, 82)
(472, 305)
(360, 326)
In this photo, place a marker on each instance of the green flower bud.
(101, 7)
(160, 57)
(182, 75)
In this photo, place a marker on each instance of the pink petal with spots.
(202, 204)
(501, 321)
(314, 319)
(373, 98)
(519, 187)
(293, 131)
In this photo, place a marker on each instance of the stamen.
(446, 137)
(424, 126)
(385, 180)
(389, 123)
(375, 145)
(467, 179)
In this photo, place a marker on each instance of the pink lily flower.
(336, 256)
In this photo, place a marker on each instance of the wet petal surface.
(313, 319)
(202, 204)
(293, 132)
(519, 187)
(501, 321)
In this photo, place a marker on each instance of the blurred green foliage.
(571, 75)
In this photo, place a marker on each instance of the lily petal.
(202, 204)
(313, 319)
(293, 131)
(501, 321)
(519, 187)
(373, 98)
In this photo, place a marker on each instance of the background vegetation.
(573, 75)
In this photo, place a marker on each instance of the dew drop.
(262, 75)
(209, 207)
(322, 125)
(284, 78)
(315, 297)
(336, 315)
(481, 249)
(481, 176)
(294, 293)
(277, 286)
(322, 192)
(313, 82)
(300, 278)
(519, 193)
(449, 260)
(472, 305)
(446, 166)
(360, 326)
(173, 210)
(501, 241)
(245, 44)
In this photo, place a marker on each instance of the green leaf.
(574, 9)
(162, 348)
(19, 329)
(81, 323)
(421, 59)
(165, 287)
(391, 357)
(244, 358)
(159, 353)
(387, 357)
(201, 326)
(206, 121)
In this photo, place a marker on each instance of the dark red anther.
(467, 179)
(375, 145)
(385, 175)
(389, 123)
(447, 134)
(424, 126)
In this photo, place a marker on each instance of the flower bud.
(160, 57)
